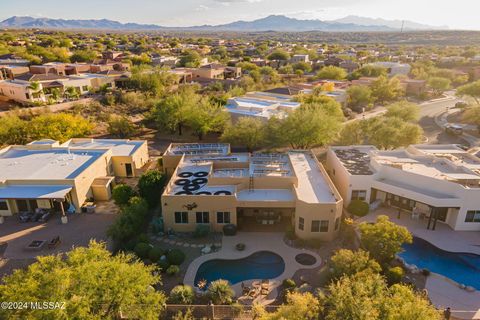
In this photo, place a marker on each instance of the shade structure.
(34, 192)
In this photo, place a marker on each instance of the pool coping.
(255, 242)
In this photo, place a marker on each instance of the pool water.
(260, 265)
(461, 267)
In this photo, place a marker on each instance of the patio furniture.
(55, 242)
(36, 245)
(25, 216)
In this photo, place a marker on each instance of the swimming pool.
(461, 267)
(260, 265)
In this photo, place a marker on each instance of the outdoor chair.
(55, 242)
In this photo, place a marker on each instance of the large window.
(301, 223)
(3, 205)
(319, 226)
(181, 217)
(359, 195)
(223, 217)
(473, 216)
(203, 217)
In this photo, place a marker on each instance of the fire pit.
(36, 245)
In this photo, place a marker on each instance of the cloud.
(237, 1)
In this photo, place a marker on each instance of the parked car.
(453, 128)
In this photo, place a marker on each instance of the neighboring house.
(394, 68)
(21, 92)
(56, 68)
(10, 72)
(45, 174)
(300, 58)
(209, 71)
(269, 191)
(438, 183)
(13, 60)
(349, 65)
(261, 105)
(165, 61)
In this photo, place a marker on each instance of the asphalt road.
(435, 134)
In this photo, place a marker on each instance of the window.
(301, 223)
(473, 216)
(324, 226)
(223, 217)
(337, 223)
(3, 205)
(315, 226)
(181, 217)
(359, 195)
(203, 217)
(85, 88)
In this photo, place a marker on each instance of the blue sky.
(459, 14)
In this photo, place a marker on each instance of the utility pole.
(403, 24)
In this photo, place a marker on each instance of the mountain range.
(270, 23)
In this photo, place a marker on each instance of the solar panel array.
(355, 161)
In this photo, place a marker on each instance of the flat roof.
(313, 186)
(118, 147)
(198, 149)
(34, 192)
(356, 160)
(21, 163)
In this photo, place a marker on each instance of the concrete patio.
(254, 242)
(79, 230)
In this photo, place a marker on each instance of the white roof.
(265, 195)
(118, 147)
(34, 192)
(20, 163)
(312, 184)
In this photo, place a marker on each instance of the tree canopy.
(247, 131)
(93, 283)
(332, 73)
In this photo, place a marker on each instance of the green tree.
(150, 186)
(182, 294)
(121, 127)
(190, 59)
(358, 207)
(439, 85)
(220, 292)
(279, 54)
(59, 126)
(13, 130)
(71, 93)
(206, 117)
(307, 127)
(122, 193)
(407, 111)
(471, 115)
(383, 239)
(471, 90)
(392, 132)
(347, 263)
(385, 90)
(359, 97)
(353, 133)
(332, 73)
(93, 284)
(299, 306)
(247, 131)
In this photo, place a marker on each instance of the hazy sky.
(458, 14)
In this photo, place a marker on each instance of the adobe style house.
(439, 183)
(43, 174)
(210, 186)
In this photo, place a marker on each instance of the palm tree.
(55, 94)
(220, 292)
(36, 88)
(71, 93)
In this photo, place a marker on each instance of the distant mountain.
(394, 24)
(270, 23)
(29, 22)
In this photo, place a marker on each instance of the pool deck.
(254, 242)
(442, 291)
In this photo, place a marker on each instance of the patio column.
(64, 217)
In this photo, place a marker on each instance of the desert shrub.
(155, 253)
(176, 256)
(394, 275)
(150, 186)
(289, 284)
(220, 292)
(142, 249)
(358, 207)
(173, 270)
(122, 193)
(163, 265)
(182, 294)
(201, 231)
